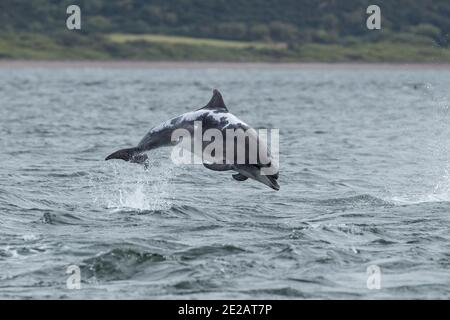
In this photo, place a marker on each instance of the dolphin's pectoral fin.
(254, 172)
(217, 166)
(239, 177)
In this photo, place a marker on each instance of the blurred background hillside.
(227, 30)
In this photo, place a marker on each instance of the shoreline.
(128, 64)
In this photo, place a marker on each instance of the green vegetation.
(227, 30)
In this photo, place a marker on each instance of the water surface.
(364, 176)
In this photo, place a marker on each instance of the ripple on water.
(119, 264)
(363, 181)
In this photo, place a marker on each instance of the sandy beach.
(127, 64)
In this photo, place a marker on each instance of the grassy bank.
(72, 45)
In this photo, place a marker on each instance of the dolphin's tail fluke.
(129, 154)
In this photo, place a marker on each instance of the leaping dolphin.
(214, 115)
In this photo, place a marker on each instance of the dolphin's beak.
(274, 184)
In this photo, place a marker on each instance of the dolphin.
(214, 115)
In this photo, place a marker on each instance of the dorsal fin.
(216, 102)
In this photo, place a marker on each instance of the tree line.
(289, 21)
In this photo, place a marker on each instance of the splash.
(435, 169)
(123, 186)
(439, 193)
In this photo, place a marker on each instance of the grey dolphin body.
(214, 115)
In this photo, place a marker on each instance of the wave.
(439, 193)
(421, 198)
(68, 175)
(362, 199)
(218, 250)
(127, 262)
(283, 292)
(60, 219)
(119, 264)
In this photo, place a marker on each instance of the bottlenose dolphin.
(214, 115)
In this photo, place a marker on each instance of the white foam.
(437, 192)
(30, 237)
(129, 186)
(421, 198)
